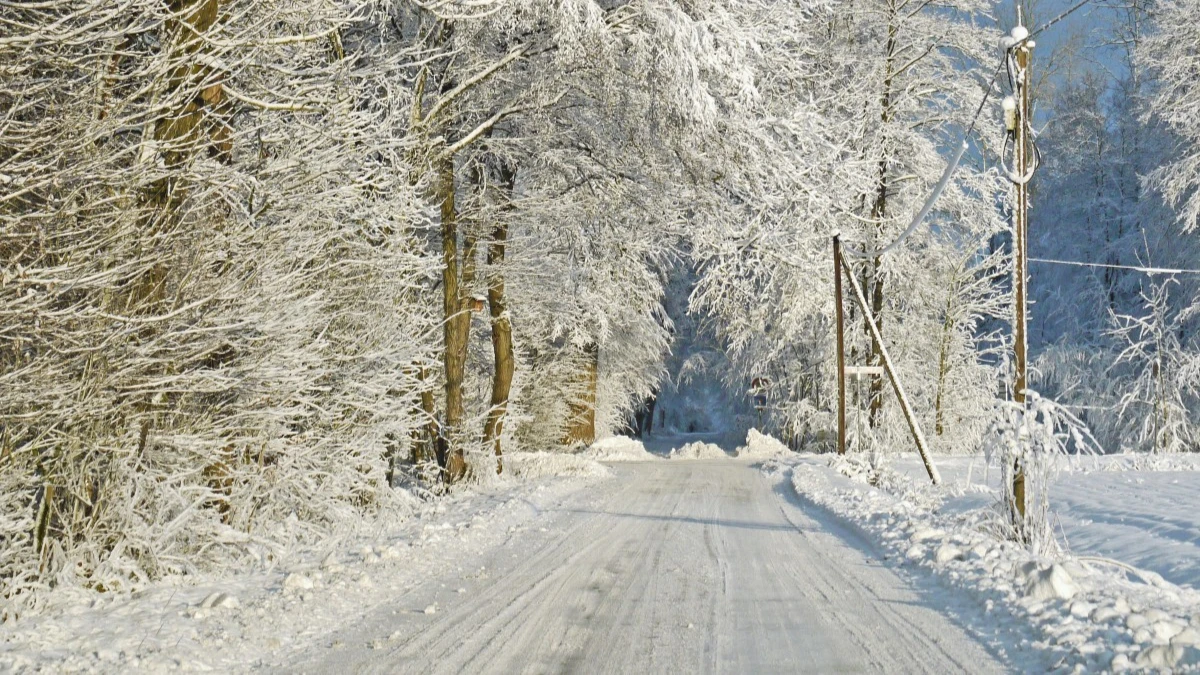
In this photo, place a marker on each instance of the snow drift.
(531, 465)
(698, 450)
(1084, 612)
(759, 444)
(618, 449)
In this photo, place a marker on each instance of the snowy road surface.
(673, 566)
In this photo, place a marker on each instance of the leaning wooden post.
(839, 312)
(909, 417)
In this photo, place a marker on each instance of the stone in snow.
(297, 582)
(947, 553)
(219, 601)
(1052, 583)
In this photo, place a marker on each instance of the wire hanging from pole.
(1016, 86)
(864, 254)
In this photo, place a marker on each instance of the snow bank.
(1143, 510)
(618, 449)
(698, 450)
(1082, 613)
(256, 619)
(761, 445)
(532, 465)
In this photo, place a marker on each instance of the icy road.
(673, 566)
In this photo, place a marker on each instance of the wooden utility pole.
(839, 312)
(1023, 155)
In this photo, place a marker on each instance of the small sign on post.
(758, 392)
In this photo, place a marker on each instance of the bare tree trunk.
(582, 426)
(944, 363)
(650, 405)
(878, 213)
(456, 328)
(423, 441)
(502, 345)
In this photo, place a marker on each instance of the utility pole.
(1023, 164)
(839, 312)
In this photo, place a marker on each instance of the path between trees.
(672, 566)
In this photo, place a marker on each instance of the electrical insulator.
(1009, 105)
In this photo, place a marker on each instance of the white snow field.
(1099, 606)
(1141, 510)
(770, 561)
(649, 567)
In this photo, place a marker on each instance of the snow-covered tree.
(206, 283)
(884, 97)
(1169, 53)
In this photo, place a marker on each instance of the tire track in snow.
(680, 566)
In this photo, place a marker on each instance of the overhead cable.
(1135, 268)
(953, 164)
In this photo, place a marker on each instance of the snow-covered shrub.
(1137, 386)
(1027, 441)
(1158, 377)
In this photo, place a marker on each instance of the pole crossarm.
(913, 426)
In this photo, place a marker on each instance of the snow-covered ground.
(1144, 511)
(244, 621)
(752, 559)
(652, 566)
(1091, 609)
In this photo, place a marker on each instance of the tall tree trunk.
(424, 437)
(878, 214)
(502, 345)
(650, 405)
(456, 327)
(939, 408)
(581, 427)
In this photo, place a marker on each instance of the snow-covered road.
(672, 566)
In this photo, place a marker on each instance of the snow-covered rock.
(698, 450)
(1051, 583)
(927, 533)
(297, 582)
(1188, 637)
(219, 601)
(762, 445)
(1159, 657)
(946, 553)
(618, 449)
(1081, 609)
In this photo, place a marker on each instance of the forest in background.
(267, 268)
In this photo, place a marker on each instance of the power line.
(941, 185)
(1150, 270)
(953, 164)
(1058, 18)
